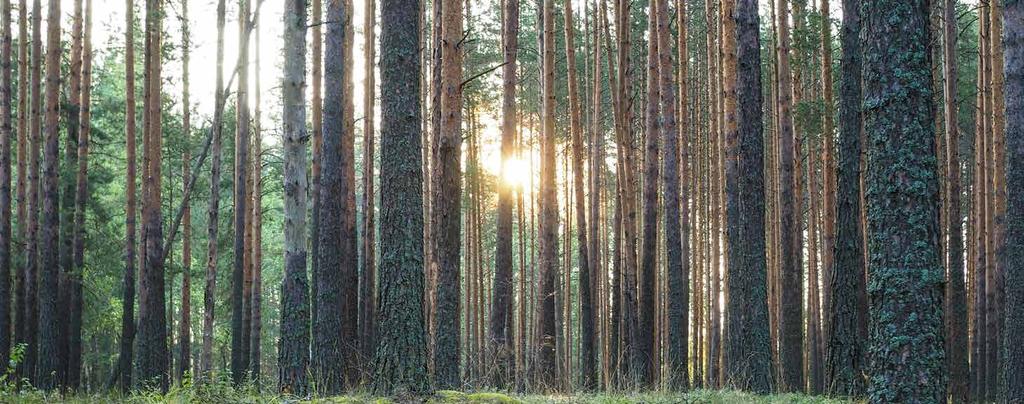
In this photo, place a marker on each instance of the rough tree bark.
(239, 291)
(400, 363)
(293, 345)
(1013, 63)
(368, 275)
(906, 276)
(548, 229)
(644, 359)
(748, 363)
(213, 207)
(446, 203)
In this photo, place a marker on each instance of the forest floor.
(442, 397)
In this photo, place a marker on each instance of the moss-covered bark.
(906, 353)
(400, 361)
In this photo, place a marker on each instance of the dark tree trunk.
(256, 299)
(151, 363)
(5, 180)
(335, 341)
(50, 323)
(400, 363)
(77, 300)
(906, 276)
(368, 276)
(23, 117)
(644, 358)
(124, 365)
(548, 243)
(847, 334)
(501, 302)
(1013, 258)
(316, 108)
(293, 345)
(446, 202)
(956, 296)
(213, 207)
(748, 363)
(239, 292)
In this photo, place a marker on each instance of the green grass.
(222, 394)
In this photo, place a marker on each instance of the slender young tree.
(446, 202)
(368, 276)
(500, 326)
(74, 363)
(185, 326)
(548, 239)
(19, 311)
(905, 281)
(955, 298)
(643, 359)
(316, 110)
(32, 266)
(847, 335)
(748, 352)
(674, 198)
(213, 206)
(256, 299)
(293, 343)
(5, 180)
(239, 295)
(400, 362)
(72, 113)
(151, 363)
(1013, 63)
(125, 355)
(49, 317)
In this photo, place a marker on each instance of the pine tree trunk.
(905, 282)
(643, 360)
(316, 108)
(239, 295)
(368, 276)
(23, 105)
(847, 333)
(5, 180)
(400, 363)
(77, 301)
(213, 207)
(293, 349)
(125, 357)
(956, 301)
(548, 243)
(256, 306)
(151, 363)
(1013, 64)
(748, 352)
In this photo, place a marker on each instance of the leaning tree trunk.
(293, 345)
(748, 363)
(400, 362)
(906, 275)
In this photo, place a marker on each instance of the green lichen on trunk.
(905, 288)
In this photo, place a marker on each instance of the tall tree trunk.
(791, 321)
(151, 363)
(905, 282)
(256, 306)
(956, 301)
(979, 344)
(997, 198)
(847, 333)
(828, 169)
(588, 357)
(644, 360)
(213, 207)
(368, 275)
(748, 352)
(596, 171)
(501, 303)
(316, 108)
(675, 196)
(545, 337)
(77, 300)
(446, 203)
(239, 295)
(49, 317)
(1013, 64)
(5, 180)
(125, 357)
(335, 341)
(185, 326)
(293, 345)
(400, 363)
(20, 283)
